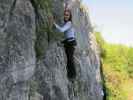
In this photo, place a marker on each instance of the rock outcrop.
(33, 64)
(17, 54)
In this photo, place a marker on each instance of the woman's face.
(66, 15)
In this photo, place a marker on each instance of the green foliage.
(101, 43)
(117, 68)
(130, 62)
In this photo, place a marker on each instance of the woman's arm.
(66, 27)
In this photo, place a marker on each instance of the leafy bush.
(117, 68)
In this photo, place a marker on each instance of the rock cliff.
(33, 65)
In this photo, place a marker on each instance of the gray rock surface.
(33, 65)
(17, 55)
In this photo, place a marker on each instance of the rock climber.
(69, 41)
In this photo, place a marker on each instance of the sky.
(113, 18)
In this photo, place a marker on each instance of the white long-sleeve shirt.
(67, 28)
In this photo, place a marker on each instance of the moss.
(33, 87)
(44, 29)
(43, 3)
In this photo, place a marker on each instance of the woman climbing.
(69, 42)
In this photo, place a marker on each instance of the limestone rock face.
(33, 64)
(17, 55)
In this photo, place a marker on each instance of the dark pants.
(69, 49)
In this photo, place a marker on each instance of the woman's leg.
(70, 61)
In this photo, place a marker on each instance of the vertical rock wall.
(33, 65)
(17, 56)
(51, 72)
